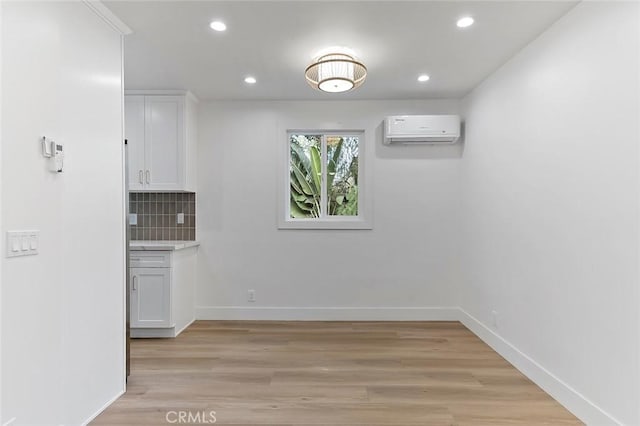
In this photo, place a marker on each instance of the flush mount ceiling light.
(423, 77)
(250, 80)
(335, 72)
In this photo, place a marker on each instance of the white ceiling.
(172, 46)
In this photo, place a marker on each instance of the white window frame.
(364, 218)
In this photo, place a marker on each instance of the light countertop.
(162, 245)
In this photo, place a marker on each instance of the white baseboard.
(185, 327)
(104, 407)
(326, 314)
(571, 399)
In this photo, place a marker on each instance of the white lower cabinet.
(150, 297)
(161, 292)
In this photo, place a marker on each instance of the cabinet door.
(150, 297)
(164, 142)
(134, 133)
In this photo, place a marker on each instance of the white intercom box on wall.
(55, 152)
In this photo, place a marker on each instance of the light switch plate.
(180, 218)
(133, 219)
(22, 243)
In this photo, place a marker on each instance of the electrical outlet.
(251, 295)
(494, 319)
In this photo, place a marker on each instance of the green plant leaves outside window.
(306, 176)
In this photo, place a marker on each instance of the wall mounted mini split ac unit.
(421, 129)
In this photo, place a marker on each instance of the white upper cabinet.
(164, 142)
(161, 134)
(134, 133)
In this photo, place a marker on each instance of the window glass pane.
(305, 172)
(342, 175)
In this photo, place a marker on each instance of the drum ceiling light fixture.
(335, 73)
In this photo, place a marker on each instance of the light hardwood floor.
(329, 373)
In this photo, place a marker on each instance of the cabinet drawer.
(150, 259)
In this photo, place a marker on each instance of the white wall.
(1, 417)
(407, 263)
(550, 192)
(62, 343)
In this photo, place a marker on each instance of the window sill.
(356, 223)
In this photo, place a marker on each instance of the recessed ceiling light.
(465, 22)
(423, 77)
(218, 26)
(250, 80)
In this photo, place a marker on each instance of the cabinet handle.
(134, 287)
(140, 176)
(148, 176)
